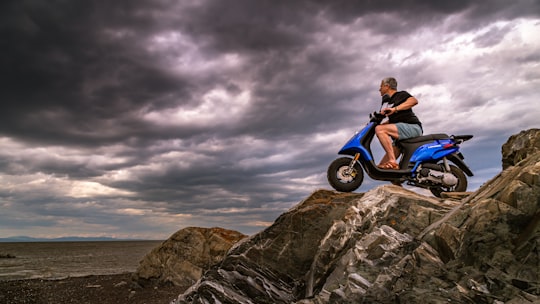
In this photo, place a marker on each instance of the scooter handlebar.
(377, 115)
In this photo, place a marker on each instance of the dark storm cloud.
(66, 81)
(67, 70)
(208, 109)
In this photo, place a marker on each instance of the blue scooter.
(425, 162)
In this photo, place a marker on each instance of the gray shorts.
(406, 130)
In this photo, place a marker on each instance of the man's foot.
(396, 183)
(389, 166)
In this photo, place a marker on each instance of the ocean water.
(57, 260)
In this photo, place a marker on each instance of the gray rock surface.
(391, 245)
(182, 259)
(519, 146)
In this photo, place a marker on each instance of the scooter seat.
(424, 138)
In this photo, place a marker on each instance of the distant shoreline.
(69, 239)
(45, 279)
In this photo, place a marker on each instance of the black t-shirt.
(406, 116)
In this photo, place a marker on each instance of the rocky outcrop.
(309, 251)
(520, 146)
(391, 245)
(182, 259)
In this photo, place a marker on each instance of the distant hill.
(14, 239)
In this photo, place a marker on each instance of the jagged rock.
(182, 259)
(520, 146)
(297, 257)
(391, 245)
(501, 236)
(455, 195)
(271, 264)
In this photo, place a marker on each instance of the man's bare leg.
(397, 152)
(384, 134)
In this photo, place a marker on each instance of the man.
(402, 123)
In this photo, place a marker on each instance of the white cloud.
(216, 107)
(40, 185)
(80, 189)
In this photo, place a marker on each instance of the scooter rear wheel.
(461, 185)
(342, 178)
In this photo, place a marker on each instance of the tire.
(461, 185)
(340, 179)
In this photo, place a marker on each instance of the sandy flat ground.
(105, 289)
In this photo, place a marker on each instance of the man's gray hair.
(391, 82)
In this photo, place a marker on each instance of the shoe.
(389, 166)
(396, 183)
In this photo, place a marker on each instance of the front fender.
(364, 154)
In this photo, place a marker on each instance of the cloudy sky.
(134, 119)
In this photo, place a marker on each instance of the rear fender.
(457, 158)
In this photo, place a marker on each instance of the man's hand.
(388, 111)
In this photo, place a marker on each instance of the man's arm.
(409, 103)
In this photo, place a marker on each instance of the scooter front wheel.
(343, 177)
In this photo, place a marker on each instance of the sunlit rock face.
(271, 265)
(309, 251)
(520, 146)
(391, 245)
(182, 259)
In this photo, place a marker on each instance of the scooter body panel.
(433, 151)
(354, 144)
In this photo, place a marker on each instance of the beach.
(59, 260)
(77, 272)
(99, 289)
